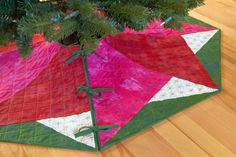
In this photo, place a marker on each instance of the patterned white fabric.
(177, 88)
(197, 40)
(70, 125)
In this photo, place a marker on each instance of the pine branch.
(22, 18)
(24, 45)
(60, 31)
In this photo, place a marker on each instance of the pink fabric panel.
(133, 87)
(16, 73)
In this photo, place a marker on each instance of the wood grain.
(205, 130)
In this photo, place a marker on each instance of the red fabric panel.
(168, 54)
(52, 94)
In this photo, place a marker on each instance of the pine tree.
(85, 20)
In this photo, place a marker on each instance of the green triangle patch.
(38, 134)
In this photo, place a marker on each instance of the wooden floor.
(205, 130)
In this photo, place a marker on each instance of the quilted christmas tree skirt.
(65, 98)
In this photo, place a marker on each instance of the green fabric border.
(155, 112)
(192, 20)
(211, 60)
(37, 134)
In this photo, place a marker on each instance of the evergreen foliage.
(89, 20)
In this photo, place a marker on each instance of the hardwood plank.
(17, 150)
(150, 143)
(178, 140)
(200, 136)
(117, 151)
(217, 120)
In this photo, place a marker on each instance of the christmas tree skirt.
(132, 81)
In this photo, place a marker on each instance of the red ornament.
(69, 11)
(100, 13)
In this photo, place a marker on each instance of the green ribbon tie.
(76, 54)
(168, 20)
(90, 93)
(71, 15)
(93, 91)
(90, 129)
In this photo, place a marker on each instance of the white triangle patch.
(197, 40)
(70, 125)
(177, 88)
